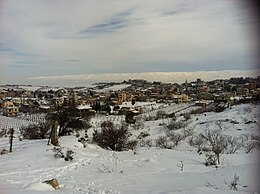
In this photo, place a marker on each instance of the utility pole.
(11, 139)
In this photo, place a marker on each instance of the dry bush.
(143, 134)
(139, 123)
(255, 137)
(187, 116)
(197, 142)
(160, 114)
(174, 125)
(3, 151)
(145, 143)
(211, 159)
(58, 153)
(216, 142)
(162, 142)
(244, 138)
(3, 132)
(131, 145)
(36, 131)
(234, 183)
(249, 146)
(114, 137)
(69, 155)
(174, 137)
(202, 110)
(232, 145)
(188, 131)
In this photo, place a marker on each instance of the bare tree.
(67, 117)
(216, 141)
(114, 137)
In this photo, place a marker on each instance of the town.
(110, 98)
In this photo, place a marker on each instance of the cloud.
(98, 37)
(115, 22)
(170, 77)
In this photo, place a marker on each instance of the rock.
(248, 122)
(53, 182)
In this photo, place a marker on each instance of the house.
(179, 98)
(85, 110)
(122, 97)
(203, 103)
(9, 109)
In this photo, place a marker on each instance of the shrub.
(216, 142)
(68, 156)
(234, 183)
(143, 135)
(3, 151)
(174, 137)
(129, 118)
(139, 123)
(3, 132)
(232, 145)
(249, 146)
(197, 142)
(160, 114)
(36, 131)
(187, 116)
(187, 131)
(131, 144)
(174, 125)
(211, 159)
(114, 137)
(162, 142)
(146, 143)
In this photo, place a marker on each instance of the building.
(122, 97)
(180, 98)
(9, 109)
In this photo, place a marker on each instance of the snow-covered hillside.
(144, 170)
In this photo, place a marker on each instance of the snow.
(117, 87)
(30, 88)
(144, 170)
(82, 107)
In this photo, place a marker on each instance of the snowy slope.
(145, 170)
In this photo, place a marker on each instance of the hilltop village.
(121, 98)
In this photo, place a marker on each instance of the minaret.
(186, 86)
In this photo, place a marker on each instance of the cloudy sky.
(44, 41)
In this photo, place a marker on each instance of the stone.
(53, 182)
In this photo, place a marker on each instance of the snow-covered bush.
(216, 142)
(211, 159)
(234, 183)
(174, 137)
(35, 131)
(139, 123)
(187, 116)
(187, 131)
(111, 136)
(131, 144)
(142, 135)
(69, 155)
(197, 142)
(232, 145)
(3, 151)
(2, 132)
(58, 153)
(160, 114)
(249, 146)
(174, 125)
(146, 143)
(162, 142)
